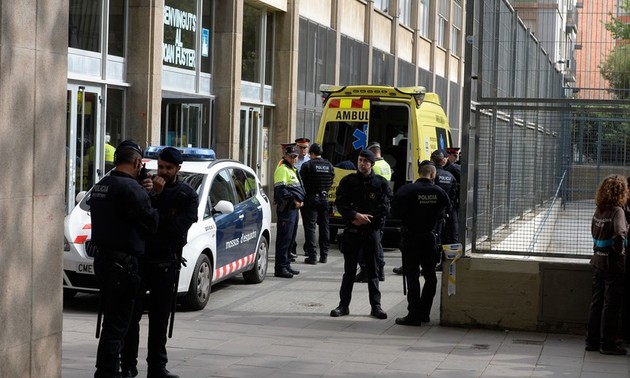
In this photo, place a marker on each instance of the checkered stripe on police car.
(81, 238)
(233, 266)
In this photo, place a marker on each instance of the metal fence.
(535, 151)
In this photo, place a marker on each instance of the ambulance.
(408, 122)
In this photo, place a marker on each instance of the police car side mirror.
(223, 207)
(80, 196)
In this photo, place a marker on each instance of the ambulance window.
(342, 143)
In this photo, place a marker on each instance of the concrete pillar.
(33, 71)
(144, 70)
(228, 39)
(285, 79)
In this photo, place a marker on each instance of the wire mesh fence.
(539, 143)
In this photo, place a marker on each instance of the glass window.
(245, 184)
(441, 32)
(455, 49)
(251, 44)
(382, 5)
(84, 25)
(116, 34)
(180, 33)
(269, 50)
(221, 188)
(423, 18)
(404, 12)
(114, 133)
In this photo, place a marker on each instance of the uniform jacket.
(445, 180)
(609, 230)
(177, 206)
(287, 186)
(369, 194)
(317, 176)
(121, 212)
(382, 168)
(420, 206)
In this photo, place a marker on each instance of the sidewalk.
(282, 328)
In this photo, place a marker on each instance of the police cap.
(452, 150)
(290, 149)
(171, 155)
(374, 146)
(302, 142)
(368, 155)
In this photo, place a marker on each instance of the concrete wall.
(501, 292)
(33, 70)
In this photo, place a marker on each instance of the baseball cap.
(172, 155)
(315, 148)
(438, 154)
(374, 145)
(131, 145)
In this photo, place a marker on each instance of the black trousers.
(158, 279)
(419, 252)
(352, 243)
(285, 237)
(605, 304)
(118, 284)
(315, 213)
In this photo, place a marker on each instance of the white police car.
(231, 235)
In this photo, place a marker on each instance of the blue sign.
(205, 42)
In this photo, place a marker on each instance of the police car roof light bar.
(188, 153)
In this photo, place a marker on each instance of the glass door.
(251, 138)
(85, 141)
(185, 123)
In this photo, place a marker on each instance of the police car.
(231, 235)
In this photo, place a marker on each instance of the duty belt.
(322, 194)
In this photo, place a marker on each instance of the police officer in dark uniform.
(453, 166)
(420, 206)
(447, 226)
(122, 220)
(363, 201)
(317, 176)
(177, 204)
(288, 195)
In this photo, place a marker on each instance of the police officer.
(177, 204)
(317, 176)
(381, 168)
(363, 201)
(447, 226)
(419, 241)
(122, 220)
(453, 166)
(288, 196)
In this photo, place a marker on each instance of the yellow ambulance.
(408, 122)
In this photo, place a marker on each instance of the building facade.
(240, 76)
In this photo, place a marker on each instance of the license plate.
(85, 268)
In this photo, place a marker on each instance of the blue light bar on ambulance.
(188, 153)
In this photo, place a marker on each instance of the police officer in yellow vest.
(381, 167)
(288, 196)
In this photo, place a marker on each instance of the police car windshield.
(193, 179)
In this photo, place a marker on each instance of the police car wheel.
(199, 289)
(258, 272)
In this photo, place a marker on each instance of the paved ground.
(282, 328)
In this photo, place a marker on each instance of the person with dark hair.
(317, 176)
(363, 201)
(122, 221)
(288, 195)
(177, 204)
(419, 240)
(609, 230)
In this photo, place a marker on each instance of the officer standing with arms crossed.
(288, 194)
(317, 175)
(363, 201)
(122, 220)
(177, 204)
(419, 206)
